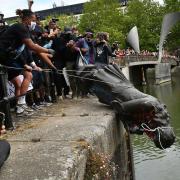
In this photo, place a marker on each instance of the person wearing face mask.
(12, 44)
(86, 46)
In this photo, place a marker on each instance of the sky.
(8, 7)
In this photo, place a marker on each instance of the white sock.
(22, 100)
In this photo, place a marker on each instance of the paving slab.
(53, 145)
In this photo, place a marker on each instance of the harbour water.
(150, 162)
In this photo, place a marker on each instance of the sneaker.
(35, 107)
(68, 96)
(45, 104)
(26, 108)
(24, 114)
(60, 98)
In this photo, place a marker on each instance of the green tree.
(147, 16)
(173, 39)
(103, 16)
(63, 20)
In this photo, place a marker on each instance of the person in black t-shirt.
(103, 50)
(12, 44)
(65, 57)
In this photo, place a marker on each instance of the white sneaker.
(45, 104)
(35, 107)
(19, 109)
(24, 113)
(26, 108)
(60, 98)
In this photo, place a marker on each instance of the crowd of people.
(27, 48)
(144, 53)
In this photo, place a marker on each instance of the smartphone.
(51, 31)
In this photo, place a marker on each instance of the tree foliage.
(147, 15)
(63, 20)
(173, 39)
(103, 16)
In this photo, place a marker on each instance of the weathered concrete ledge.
(54, 146)
(163, 73)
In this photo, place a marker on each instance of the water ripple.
(145, 150)
(151, 162)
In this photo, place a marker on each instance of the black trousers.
(59, 81)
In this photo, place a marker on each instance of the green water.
(150, 162)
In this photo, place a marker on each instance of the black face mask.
(68, 37)
(89, 43)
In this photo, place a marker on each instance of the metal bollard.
(6, 104)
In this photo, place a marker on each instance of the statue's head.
(147, 116)
(141, 113)
(163, 136)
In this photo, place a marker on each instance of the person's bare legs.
(26, 81)
(17, 84)
(21, 89)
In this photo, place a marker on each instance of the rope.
(44, 70)
(147, 128)
(95, 80)
(59, 72)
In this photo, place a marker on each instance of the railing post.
(52, 90)
(6, 105)
(50, 86)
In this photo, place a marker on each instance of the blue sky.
(8, 7)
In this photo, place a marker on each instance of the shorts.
(7, 61)
(12, 73)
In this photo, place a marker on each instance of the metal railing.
(5, 99)
(125, 60)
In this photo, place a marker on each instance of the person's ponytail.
(25, 13)
(19, 12)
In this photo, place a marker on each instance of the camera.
(54, 20)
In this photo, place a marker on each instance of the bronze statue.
(140, 112)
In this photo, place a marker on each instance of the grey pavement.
(53, 145)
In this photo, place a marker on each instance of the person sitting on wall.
(13, 42)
